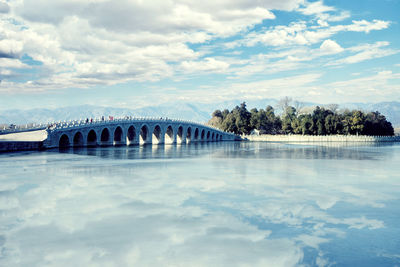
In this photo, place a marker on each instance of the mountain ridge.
(198, 112)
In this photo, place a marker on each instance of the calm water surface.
(214, 204)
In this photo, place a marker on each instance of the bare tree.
(298, 106)
(283, 103)
(333, 107)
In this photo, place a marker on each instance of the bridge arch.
(202, 135)
(130, 135)
(189, 134)
(91, 138)
(105, 136)
(179, 135)
(63, 142)
(144, 133)
(118, 134)
(78, 139)
(196, 134)
(213, 136)
(157, 135)
(169, 135)
(208, 136)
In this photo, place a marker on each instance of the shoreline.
(294, 138)
(36, 141)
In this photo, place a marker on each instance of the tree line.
(321, 121)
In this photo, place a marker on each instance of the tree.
(284, 103)
(242, 119)
(215, 121)
(333, 107)
(321, 121)
(376, 124)
(255, 120)
(357, 122)
(333, 124)
(298, 106)
(217, 113)
(225, 113)
(306, 124)
(290, 116)
(229, 124)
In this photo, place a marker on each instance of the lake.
(203, 204)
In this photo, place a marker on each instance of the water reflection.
(204, 204)
(343, 151)
(145, 151)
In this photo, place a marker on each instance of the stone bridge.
(131, 131)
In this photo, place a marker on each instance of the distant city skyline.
(133, 54)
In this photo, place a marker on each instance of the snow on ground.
(25, 136)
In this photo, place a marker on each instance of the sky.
(136, 53)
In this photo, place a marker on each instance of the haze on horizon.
(134, 53)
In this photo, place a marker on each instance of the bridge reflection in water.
(132, 131)
(150, 151)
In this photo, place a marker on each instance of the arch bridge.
(131, 131)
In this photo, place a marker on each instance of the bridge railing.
(104, 121)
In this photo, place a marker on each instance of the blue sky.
(137, 53)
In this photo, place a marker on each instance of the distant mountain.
(181, 111)
(198, 112)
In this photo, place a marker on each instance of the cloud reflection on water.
(247, 204)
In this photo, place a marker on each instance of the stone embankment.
(22, 141)
(321, 138)
(8, 146)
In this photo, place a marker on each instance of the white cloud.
(330, 47)
(208, 64)
(284, 60)
(300, 33)
(279, 87)
(366, 52)
(10, 48)
(366, 26)
(373, 88)
(85, 43)
(10, 63)
(156, 17)
(317, 7)
(4, 8)
(323, 13)
(82, 44)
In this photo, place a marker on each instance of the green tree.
(242, 116)
(376, 124)
(306, 124)
(333, 124)
(322, 121)
(225, 113)
(357, 122)
(229, 124)
(290, 116)
(255, 120)
(218, 114)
